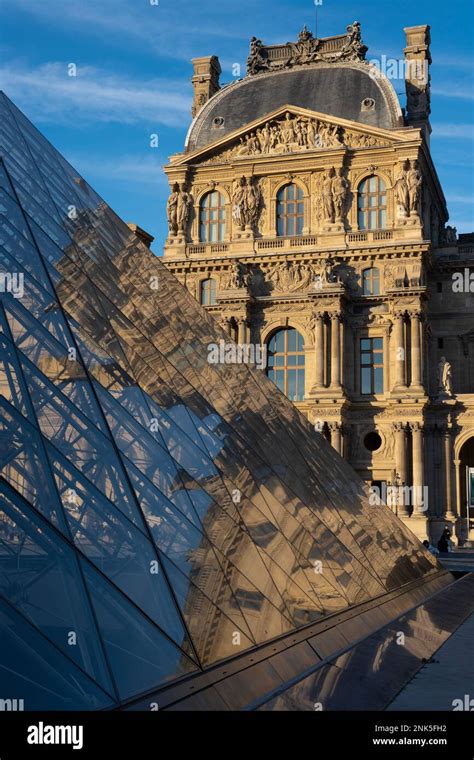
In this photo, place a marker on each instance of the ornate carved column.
(319, 349)
(335, 429)
(241, 330)
(335, 352)
(430, 467)
(418, 468)
(398, 354)
(416, 371)
(399, 429)
(450, 510)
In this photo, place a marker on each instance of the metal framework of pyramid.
(158, 514)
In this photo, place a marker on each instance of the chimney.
(145, 237)
(205, 80)
(417, 78)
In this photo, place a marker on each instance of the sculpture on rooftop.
(306, 50)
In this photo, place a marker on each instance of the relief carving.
(408, 188)
(293, 134)
(247, 203)
(178, 209)
(332, 198)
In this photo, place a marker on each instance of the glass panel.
(378, 380)
(366, 384)
(35, 671)
(140, 656)
(33, 560)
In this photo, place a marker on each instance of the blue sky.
(134, 70)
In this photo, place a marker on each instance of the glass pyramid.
(158, 514)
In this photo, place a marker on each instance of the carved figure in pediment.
(287, 130)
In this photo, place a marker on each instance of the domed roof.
(336, 89)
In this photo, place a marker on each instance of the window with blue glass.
(371, 282)
(371, 366)
(286, 363)
(207, 295)
(290, 210)
(212, 218)
(372, 204)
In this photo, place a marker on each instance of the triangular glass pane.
(215, 634)
(24, 465)
(140, 656)
(116, 547)
(35, 671)
(34, 560)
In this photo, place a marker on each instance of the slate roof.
(333, 89)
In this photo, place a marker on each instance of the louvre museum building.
(191, 445)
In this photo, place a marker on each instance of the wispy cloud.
(95, 95)
(468, 198)
(464, 91)
(125, 22)
(454, 131)
(138, 169)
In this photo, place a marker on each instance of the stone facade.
(339, 278)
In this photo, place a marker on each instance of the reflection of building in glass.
(332, 207)
(158, 514)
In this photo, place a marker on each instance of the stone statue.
(414, 183)
(401, 189)
(445, 377)
(237, 276)
(340, 191)
(184, 206)
(172, 210)
(257, 60)
(239, 203)
(327, 195)
(254, 201)
(449, 235)
(304, 50)
(354, 49)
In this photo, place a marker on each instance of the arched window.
(212, 218)
(371, 282)
(372, 204)
(285, 363)
(208, 292)
(290, 210)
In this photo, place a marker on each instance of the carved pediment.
(291, 130)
